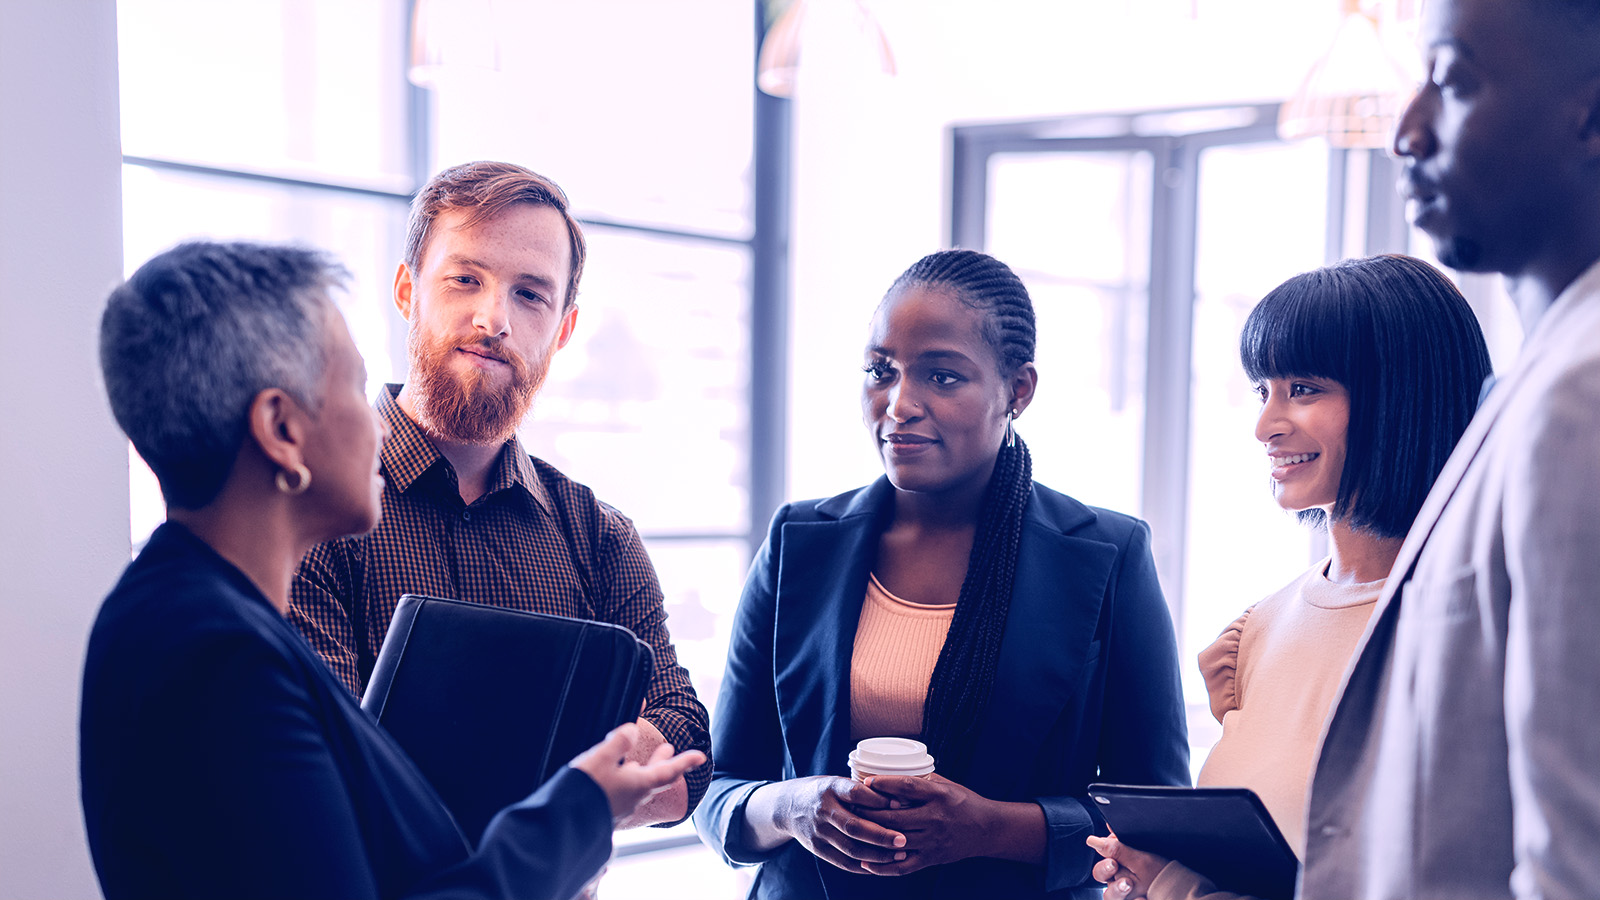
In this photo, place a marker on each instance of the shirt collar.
(408, 452)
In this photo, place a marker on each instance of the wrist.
(1014, 831)
(991, 820)
(768, 817)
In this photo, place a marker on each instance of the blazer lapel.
(1346, 738)
(1045, 654)
(822, 583)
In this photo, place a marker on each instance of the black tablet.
(1225, 834)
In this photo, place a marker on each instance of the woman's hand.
(822, 812)
(1126, 872)
(944, 822)
(629, 784)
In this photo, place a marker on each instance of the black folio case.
(1225, 834)
(490, 702)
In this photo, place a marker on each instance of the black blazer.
(221, 759)
(1087, 687)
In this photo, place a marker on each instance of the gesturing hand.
(821, 812)
(943, 822)
(1126, 872)
(628, 784)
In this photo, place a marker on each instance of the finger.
(862, 852)
(1121, 889)
(1105, 870)
(917, 790)
(862, 830)
(850, 854)
(904, 867)
(910, 819)
(912, 862)
(678, 766)
(613, 748)
(857, 794)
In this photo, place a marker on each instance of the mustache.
(492, 347)
(1414, 185)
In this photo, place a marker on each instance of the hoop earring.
(1011, 433)
(302, 477)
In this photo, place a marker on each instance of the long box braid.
(963, 678)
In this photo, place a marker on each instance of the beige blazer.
(1462, 759)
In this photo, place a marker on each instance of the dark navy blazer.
(1087, 689)
(220, 758)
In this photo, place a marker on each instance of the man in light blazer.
(1463, 759)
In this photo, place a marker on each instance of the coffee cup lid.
(891, 756)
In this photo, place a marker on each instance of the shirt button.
(466, 515)
(1329, 831)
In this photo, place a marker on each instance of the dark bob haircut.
(1401, 339)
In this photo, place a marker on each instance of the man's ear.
(402, 291)
(569, 324)
(1589, 131)
(1023, 385)
(277, 424)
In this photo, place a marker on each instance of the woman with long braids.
(1017, 632)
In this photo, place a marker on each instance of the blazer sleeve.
(746, 734)
(1144, 736)
(270, 811)
(1552, 679)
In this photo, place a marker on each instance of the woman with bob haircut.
(1019, 634)
(219, 756)
(1368, 372)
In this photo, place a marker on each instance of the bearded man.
(489, 288)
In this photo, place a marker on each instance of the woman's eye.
(1301, 390)
(944, 379)
(876, 371)
(1260, 392)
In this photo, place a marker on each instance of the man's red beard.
(471, 408)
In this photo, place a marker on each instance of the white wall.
(63, 464)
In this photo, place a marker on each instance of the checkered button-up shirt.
(536, 541)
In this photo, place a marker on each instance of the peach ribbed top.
(897, 645)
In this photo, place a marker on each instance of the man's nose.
(1413, 135)
(492, 313)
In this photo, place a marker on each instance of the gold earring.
(302, 477)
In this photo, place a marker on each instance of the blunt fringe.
(483, 190)
(1403, 341)
(194, 335)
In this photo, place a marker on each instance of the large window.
(1146, 239)
(309, 131)
(650, 404)
(299, 134)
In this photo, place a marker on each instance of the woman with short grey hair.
(220, 758)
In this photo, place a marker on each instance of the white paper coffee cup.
(890, 756)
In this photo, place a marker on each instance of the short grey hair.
(188, 342)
